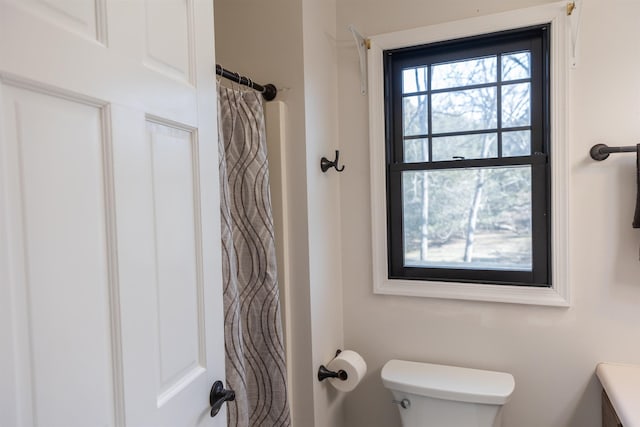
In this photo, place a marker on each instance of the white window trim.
(559, 293)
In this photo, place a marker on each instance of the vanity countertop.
(622, 384)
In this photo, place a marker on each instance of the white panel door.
(110, 290)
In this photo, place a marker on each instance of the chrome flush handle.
(404, 403)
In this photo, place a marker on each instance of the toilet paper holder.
(324, 373)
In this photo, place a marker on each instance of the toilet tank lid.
(448, 382)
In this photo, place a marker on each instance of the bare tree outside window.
(468, 217)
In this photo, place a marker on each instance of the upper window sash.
(399, 61)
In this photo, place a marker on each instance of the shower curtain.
(255, 358)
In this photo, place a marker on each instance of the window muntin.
(472, 146)
(516, 143)
(464, 110)
(463, 73)
(516, 66)
(468, 170)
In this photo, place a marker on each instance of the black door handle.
(218, 396)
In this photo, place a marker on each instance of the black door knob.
(218, 396)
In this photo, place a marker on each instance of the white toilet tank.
(431, 395)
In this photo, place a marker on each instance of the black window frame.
(537, 40)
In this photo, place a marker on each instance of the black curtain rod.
(268, 91)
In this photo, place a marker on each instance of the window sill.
(473, 292)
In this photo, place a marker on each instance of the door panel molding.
(55, 258)
(169, 43)
(177, 229)
(90, 23)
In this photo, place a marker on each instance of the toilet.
(431, 395)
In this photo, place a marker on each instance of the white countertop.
(622, 384)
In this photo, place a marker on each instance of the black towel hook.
(326, 164)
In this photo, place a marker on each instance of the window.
(510, 150)
(468, 159)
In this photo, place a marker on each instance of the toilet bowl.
(431, 395)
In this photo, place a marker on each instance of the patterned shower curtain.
(255, 358)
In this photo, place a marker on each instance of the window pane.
(516, 105)
(516, 66)
(414, 79)
(516, 143)
(414, 114)
(464, 73)
(416, 150)
(472, 109)
(468, 218)
(465, 146)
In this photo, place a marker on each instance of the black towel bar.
(601, 151)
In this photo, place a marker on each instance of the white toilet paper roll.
(353, 364)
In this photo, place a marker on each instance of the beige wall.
(291, 43)
(323, 200)
(551, 352)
